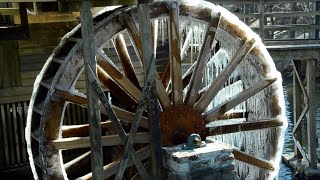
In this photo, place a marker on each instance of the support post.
(93, 104)
(152, 103)
(297, 106)
(261, 19)
(311, 114)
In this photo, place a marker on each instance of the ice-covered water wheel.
(227, 89)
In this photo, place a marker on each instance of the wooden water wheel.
(214, 78)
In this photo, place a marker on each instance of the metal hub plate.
(178, 122)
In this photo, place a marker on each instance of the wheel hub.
(178, 122)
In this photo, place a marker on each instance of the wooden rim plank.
(245, 126)
(174, 50)
(218, 82)
(83, 142)
(196, 78)
(252, 160)
(124, 57)
(216, 112)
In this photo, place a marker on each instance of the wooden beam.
(252, 160)
(216, 112)
(72, 167)
(93, 104)
(245, 126)
(82, 130)
(297, 108)
(9, 11)
(311, 114)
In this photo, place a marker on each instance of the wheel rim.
(55, 86)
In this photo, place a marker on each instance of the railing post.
(261, 19)
(311, 115)
(297, 106)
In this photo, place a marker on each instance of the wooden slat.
(301, 150)
(124, 57)
(196, 79)
(244, 95)
(9, 11)
(11, 134)
(83, 142)
(245, 126)
(22, 132)
(297, 123)
(234, 115)
(105, 67)
(174, 52)
(222, 78)
(16, 133)
(111, 169)
(5, 135)
(252, 160)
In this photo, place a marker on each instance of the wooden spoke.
(165, 78)
(83, 142)
(244, 95)
(124, 57)
(162, 94)
(203, 57)
(81, 99)
(72, 167)
(82, 130)
(247, 158)
(130, 23)
(174, 49)
(186, 43)
(245, 126)
(155, 30)
(105, 66)
(117, 92)
(234, 115)
(111, 169)
(132, 29)
(217, 84)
